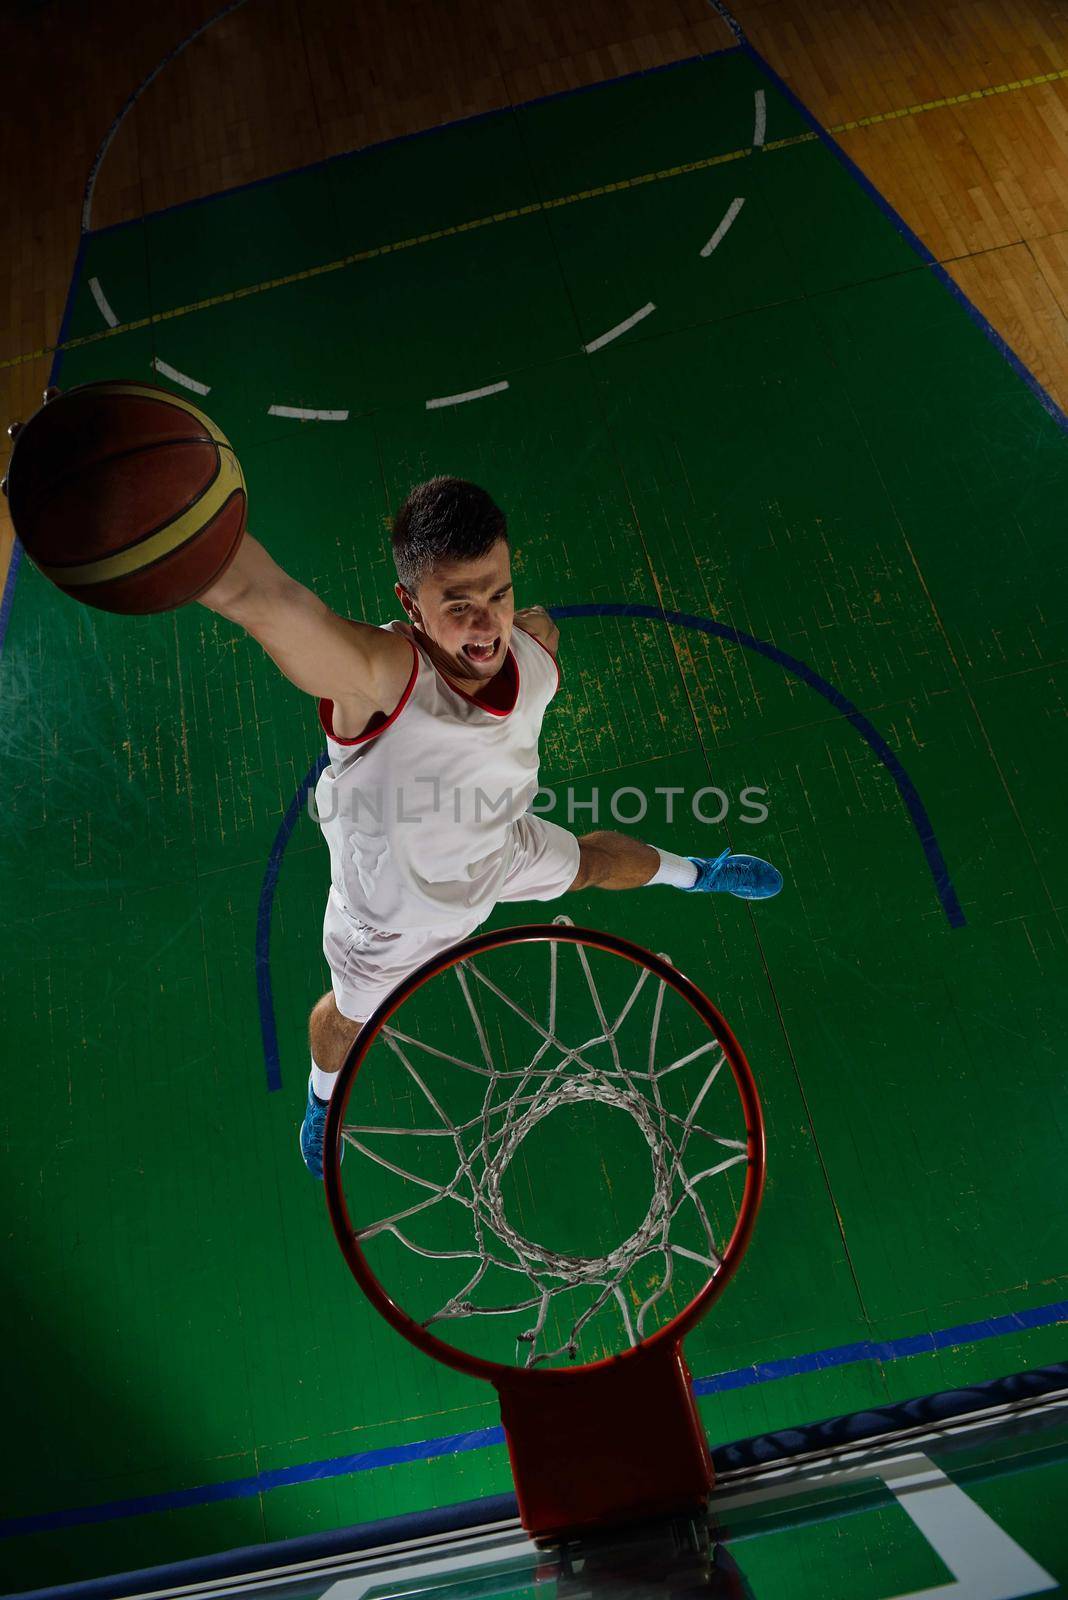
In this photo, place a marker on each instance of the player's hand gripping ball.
(126, 496)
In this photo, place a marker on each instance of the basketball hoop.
(596, 1438)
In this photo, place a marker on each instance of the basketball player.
(432, 727)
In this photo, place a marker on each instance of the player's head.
(454, 579)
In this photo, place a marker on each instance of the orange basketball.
(128, 497)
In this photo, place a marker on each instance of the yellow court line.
(522, 211)
(526, 211)
(952, 100)
(386, 249)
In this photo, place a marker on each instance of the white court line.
(180, 377)
(985, 1562)
(102, 303)
(94, 170)
(724, 227)
(729, 19)
(760, 118)
(355, 1572)
(307, 416)
(460, 399)
(460, 1564)
(620, 328)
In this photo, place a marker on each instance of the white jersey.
(419, 812)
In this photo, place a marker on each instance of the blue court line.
(875, 741)
(263, 1559)
(407, 138)
(742, 1377)
(264, 993)
(871, 736)
(915, 1344)
(259, 1483)
(9, 590)
(293, 172)
(928, 258)
(488, 1438)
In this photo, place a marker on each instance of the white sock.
(674, 870)
(322, 1082)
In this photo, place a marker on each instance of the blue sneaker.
(745, 876)
(312, 1133)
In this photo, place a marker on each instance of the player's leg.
(330, 1035)
(549, 861)
(366, 964)
(615, 861)
(361, 975)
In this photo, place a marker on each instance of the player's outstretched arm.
(320, 652)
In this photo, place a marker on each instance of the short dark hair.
(444, 519)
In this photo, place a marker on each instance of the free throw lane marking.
(986, 1563)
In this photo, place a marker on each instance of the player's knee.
(330, 1033)
(323, 1013)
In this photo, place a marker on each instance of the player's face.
(466, 608)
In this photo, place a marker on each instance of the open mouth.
(482, 652)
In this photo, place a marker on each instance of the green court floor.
(807, 452)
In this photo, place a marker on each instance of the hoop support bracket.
(623, 1444)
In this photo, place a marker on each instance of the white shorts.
(367, 963)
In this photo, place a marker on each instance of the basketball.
(126, 496)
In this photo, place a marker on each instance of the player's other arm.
(536, 620)
(320, 652)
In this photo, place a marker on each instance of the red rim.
(674, 1331)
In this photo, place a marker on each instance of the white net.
(522, 1074)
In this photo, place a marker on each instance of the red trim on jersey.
(494, 711)
(326, 710)
(545, 647)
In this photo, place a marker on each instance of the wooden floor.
(269, 85)
(871, 507)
